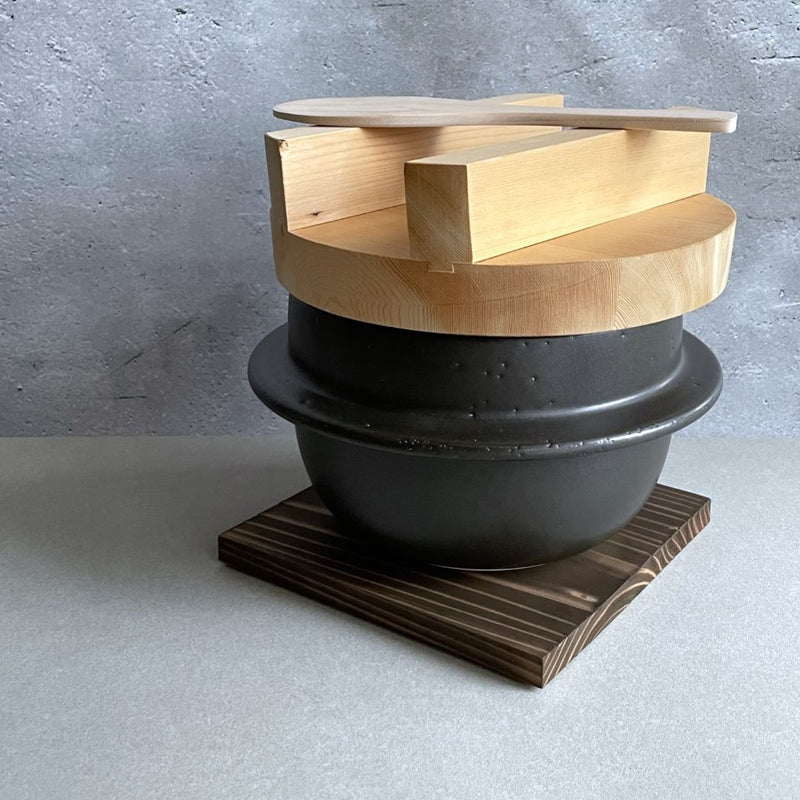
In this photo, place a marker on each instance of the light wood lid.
(639, 269)
(498, 230)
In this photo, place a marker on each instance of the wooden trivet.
(526, 624)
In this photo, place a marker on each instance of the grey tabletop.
(134, 665)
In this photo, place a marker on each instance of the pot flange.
(483, 397)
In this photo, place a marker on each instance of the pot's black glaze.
(482, 452)
(475, 514)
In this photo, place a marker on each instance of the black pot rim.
(687, 393)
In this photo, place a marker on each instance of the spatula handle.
(380, 112)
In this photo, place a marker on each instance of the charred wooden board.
(527, 624)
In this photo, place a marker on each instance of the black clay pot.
(482, 452)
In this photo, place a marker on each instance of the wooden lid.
(502, 230)
(639, 269)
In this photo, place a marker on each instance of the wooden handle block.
(319, 174)
(469, 205)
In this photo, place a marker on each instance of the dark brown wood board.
(527, 624)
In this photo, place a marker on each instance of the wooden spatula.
(426, 112)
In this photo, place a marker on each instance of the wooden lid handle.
(425, 112)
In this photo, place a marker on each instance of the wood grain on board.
(526, 624)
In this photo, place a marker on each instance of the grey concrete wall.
(136, 273)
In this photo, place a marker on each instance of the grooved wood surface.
(526, 624)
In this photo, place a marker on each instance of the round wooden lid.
(643, 268)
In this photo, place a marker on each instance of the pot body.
(482, 452)
(480, 514)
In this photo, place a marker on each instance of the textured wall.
(135, 266)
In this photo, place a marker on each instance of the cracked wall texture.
(134, 242)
